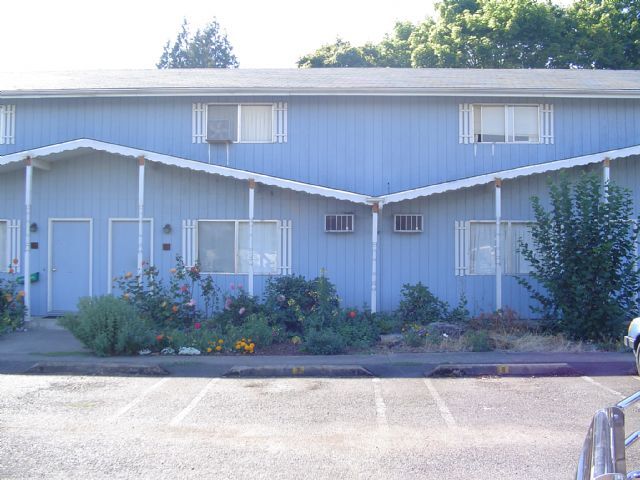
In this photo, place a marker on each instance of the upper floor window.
(239, 123)
(506, 123)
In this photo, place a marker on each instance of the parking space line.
(604, 387)
(442, 406)
(139, 398)
(181, 416)
(381, 407)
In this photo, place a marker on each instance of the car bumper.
(629, 341)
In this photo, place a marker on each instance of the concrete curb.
(504, 370)
(97, 369)
(298, 371)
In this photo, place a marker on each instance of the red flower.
(197, 325)
(159, 337)
(184, 288)
(352, 314)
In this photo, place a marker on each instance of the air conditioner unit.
(219, 131)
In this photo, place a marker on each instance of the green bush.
(387, 322)
(12, 309)
(414, 335)
(238, 307)
(583, 259)
(323, 342)
(358, 329)
(419, 305)
(256, 327)
(108, 326)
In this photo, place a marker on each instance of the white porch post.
(375, 208)
(498, 185)
(140, 214)
(606, 176)
(27, 238)
(252, 188)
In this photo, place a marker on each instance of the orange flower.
(174, 309)
(160, 337)
(128, 275)
(218, 348)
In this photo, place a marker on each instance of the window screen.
(216, 246)
(256, 123)
(265, 247)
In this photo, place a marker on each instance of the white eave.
(43, 155)
(509, 174)
(289, 92)
(53, 150)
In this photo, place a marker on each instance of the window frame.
(239, 118)
(507, 133)
(509, 242)
(5, 257)
(236, 236)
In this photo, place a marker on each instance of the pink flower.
(227, 304)
(197, 325)
(232, 286)
(184, 288)
(240, 287)
(242, 310)
(191, 303)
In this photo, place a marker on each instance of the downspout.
(252, 188)
(140, 215)
(27, 238)
(498, 185)
(375, 208)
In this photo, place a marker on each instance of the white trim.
(374, 259)
(12, 247)
(508, 130)
(50, 222)
(337, 217)
(111, 221)
(317, 189)
(184, 163)
(411, 217)
(508, 174)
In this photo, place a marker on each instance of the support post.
(606, 176)
(252, 188)
(27, 238)
(140, 214)
(498, 185)
(375, 208)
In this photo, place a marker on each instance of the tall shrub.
(584, 259)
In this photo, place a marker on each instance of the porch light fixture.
(167, 228)
(33, 228)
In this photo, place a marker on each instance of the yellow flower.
(249, 340)
(218, 348)
(21, 293)
(252, 345)
(221, 341)
(209, 350)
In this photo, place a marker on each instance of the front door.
(123, 247)
(70, 263)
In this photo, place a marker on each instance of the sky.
(130, 34)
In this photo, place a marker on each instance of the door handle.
(54, 269)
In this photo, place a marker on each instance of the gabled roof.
(63, 150)
(328, 81)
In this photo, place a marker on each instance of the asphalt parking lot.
(176, 427)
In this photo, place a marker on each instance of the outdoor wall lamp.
(33, 228)
(167, 229)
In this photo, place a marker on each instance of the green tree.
(606, 33)
(584, 260)
(207, 48)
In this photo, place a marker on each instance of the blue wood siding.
(372, 145)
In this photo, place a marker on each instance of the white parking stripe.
(604, 387)
(139, 398)
(381, 407)
(178, 418)
(442, 406)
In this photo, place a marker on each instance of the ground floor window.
(482, 243)
(223, 246)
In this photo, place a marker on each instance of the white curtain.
(4, 248)
(525, 124)
(483, 247)
(256, 123)
(265, 248)
(216, 245)
(492, 123)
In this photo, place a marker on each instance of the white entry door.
(123, 247)
(70, 263)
